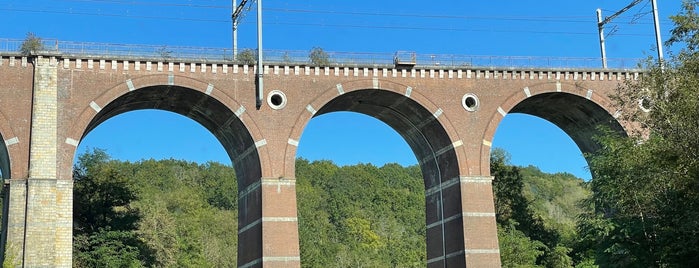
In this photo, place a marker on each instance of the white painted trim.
(73, 142)
(240, 111)
(129, 84)
(502, 112)
(11, 141)
(280, 219)
(95, 106)
(281, 259)
(437, 113)
(250, 226)
(310, 109)
(444, 185)
(260, 143)
(293, 142)
(476, 179)
(340, 90)
(482, 251)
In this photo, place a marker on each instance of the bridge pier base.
(466, 236)
(268, 235)
(280, 237)
(481, 248)
(39, 223)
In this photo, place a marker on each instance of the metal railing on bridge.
(299, 57)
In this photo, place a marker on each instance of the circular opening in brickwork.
(645, 104)
(276, 99)
(470, 102)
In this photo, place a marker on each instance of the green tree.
(319, 57)
(247, 56)
(517, 249)
(31, 44)
(646, 186)
(360, 216)
(103, 226)
(151, 213)
(527, 236)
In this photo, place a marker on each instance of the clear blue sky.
(497, 27)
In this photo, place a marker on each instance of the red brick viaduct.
(448, 116)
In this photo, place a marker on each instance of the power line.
(570, 19)
(287, 23)
(440, 29)
(131, 3)
(111, 15)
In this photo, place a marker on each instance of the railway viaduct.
(448, 115)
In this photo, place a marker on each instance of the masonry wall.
(68, 94)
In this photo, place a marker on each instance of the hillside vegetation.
(173, 213)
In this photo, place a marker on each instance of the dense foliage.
(361, 216)
(178, 214)
(536, 214)
(646, 186)
(153, 213)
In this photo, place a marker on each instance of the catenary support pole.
(600, 28)
(658, 41)
(260, 69)
(235, 31)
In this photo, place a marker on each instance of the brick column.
(268, 229)
(49, 206)
(280, 237)
(481, 247)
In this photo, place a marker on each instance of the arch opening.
(533, 141)
(360, 195)
(435, 155)
(578, 117)
(205, 110)
(227, 128)
(557, 130)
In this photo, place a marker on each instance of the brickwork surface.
(448, 117)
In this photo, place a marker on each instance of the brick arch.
(333, 93)
(573, 108)
(80, 126)
(211, 107)
(430, 135)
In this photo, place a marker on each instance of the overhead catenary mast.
(235, 30)
(260, 68)
(601, 23)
